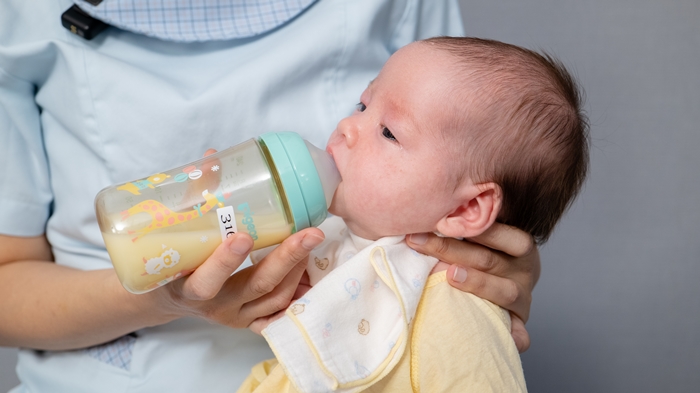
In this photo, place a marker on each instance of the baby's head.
(456, 133)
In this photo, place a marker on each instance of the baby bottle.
(162, 227)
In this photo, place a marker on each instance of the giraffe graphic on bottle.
(162, 216)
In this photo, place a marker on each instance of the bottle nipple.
(327, 171)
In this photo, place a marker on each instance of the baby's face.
(398, 174)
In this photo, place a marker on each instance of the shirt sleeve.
(25, 192)
(428, 18)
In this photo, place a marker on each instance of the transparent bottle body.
(162, 227)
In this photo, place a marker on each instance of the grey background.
(617, 308)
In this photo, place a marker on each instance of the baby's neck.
(363, 233)
(368, 235)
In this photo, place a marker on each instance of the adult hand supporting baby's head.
(501, 265)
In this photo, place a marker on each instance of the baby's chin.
(332, 209)
(362, 232)
(337, 207)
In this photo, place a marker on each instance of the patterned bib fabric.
(351, 328)
(196, 20)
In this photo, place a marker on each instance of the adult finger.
(505, 238)
(259, 324)
(505, 292)
(272, 270)
(304, 286)
(519, 333)
(460, 252)
(206, 281)
(278, 299)
(524, 269)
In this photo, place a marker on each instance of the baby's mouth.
(338, 180)
(330, 153)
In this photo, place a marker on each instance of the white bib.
(351, 328)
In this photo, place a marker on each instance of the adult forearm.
(48, 306)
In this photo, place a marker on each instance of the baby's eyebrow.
(370, 82)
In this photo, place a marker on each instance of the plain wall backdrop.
(617, 308)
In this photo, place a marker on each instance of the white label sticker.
(227, 221)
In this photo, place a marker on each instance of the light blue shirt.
(77, 116)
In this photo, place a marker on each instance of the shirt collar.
(196, 20)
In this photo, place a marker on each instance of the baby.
(453, 135)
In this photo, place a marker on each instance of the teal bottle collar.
(299, 177)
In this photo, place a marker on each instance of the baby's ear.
(480, 206)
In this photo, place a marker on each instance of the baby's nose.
(348, 129)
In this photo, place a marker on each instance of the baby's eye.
(360, 107)
(388, 135)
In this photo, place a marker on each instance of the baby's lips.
(330, 153)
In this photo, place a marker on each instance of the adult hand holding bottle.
(257, 291)
(213, 292)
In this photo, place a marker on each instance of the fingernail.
(418, 238)
(241, 246)
(459, 275)
(309, 242)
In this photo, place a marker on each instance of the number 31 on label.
(227, 222)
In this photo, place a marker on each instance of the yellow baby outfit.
(388, 328)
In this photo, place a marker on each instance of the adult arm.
(48, 306)
(502, 265)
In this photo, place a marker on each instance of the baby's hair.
(524, 129)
